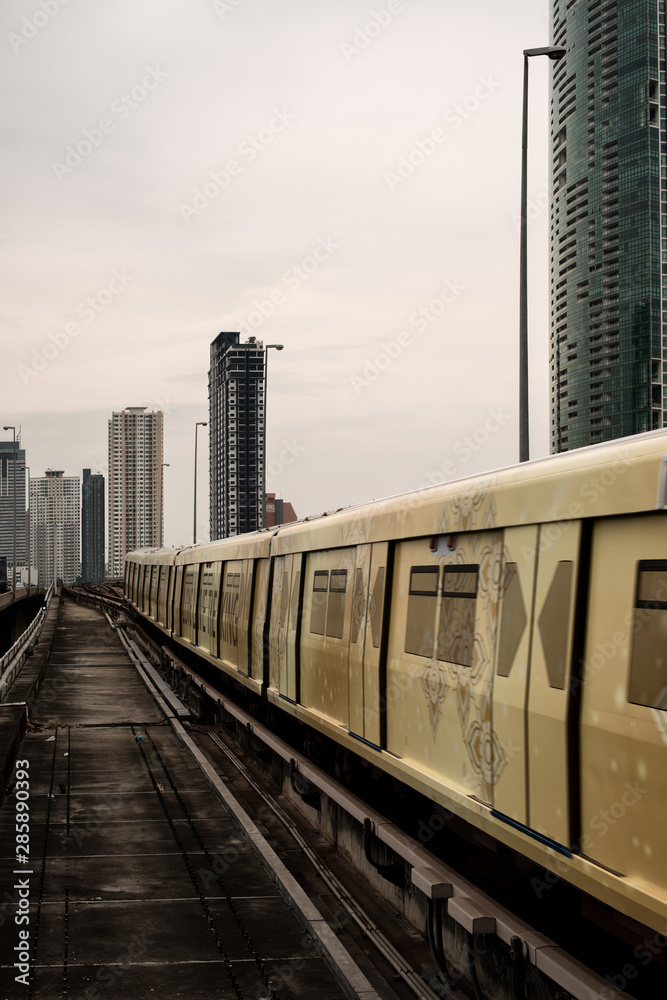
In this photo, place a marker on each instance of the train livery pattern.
(499, 644)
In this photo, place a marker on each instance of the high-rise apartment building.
(55, 503)
(608, 222)
(135, 483)
(236, 435)
(92, 527)
(12, 503)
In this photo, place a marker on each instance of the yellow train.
(499, 644)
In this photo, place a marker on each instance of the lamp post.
(9, 427)
(165, 465)
(200, 423)
(554, 52)
(277, 347)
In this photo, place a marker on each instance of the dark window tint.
(336, 605)
(648, 660)
(456, 635)
(378, 600)
(358, 605)
(318, 609)
(422, 606)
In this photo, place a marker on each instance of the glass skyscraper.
(608, 221)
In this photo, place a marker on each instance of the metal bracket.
(394, 872)
(308, 793)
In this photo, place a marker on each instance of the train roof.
(603, 480)
(624, 476)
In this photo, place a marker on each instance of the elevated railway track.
(478, 944)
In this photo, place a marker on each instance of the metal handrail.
(13, 660)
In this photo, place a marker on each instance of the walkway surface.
(136, 881)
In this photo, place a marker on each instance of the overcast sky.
(341, 178)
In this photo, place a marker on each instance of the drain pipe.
(434, 927)
(473, 950)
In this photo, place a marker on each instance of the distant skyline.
(339, 178)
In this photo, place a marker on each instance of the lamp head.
(553, 51)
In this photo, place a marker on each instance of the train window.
(318, 610)
(295, 599)
(648, 661)
(336, 603)
(358, 605)
(456, 636)
(512, 621)
(187, 607)
(422, 605)
(284, 601)
(376, 607)
(553, 624)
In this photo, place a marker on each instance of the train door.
(177, 618)
(153, 591)
(284, 619)
(188, 599)
(170, 597)
(370, 573)
(510, 686)
(355, 662)
(163, 589)
(259, 612)
(534, 697)
(140, 587)
(551, 694)
(207, 607)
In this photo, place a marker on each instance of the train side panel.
(163, 588)
(440, 658)
(259, 612)
(624, 709)
(365, 656)
(235, 613)
(188, 603)
(325, 633)
(209, 599)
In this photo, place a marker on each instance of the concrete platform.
(139, 881)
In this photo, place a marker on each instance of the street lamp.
(200, 423)
(277, 347)
(165, 465)
(9, 427)
(554, 52)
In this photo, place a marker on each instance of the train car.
(498, 644)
